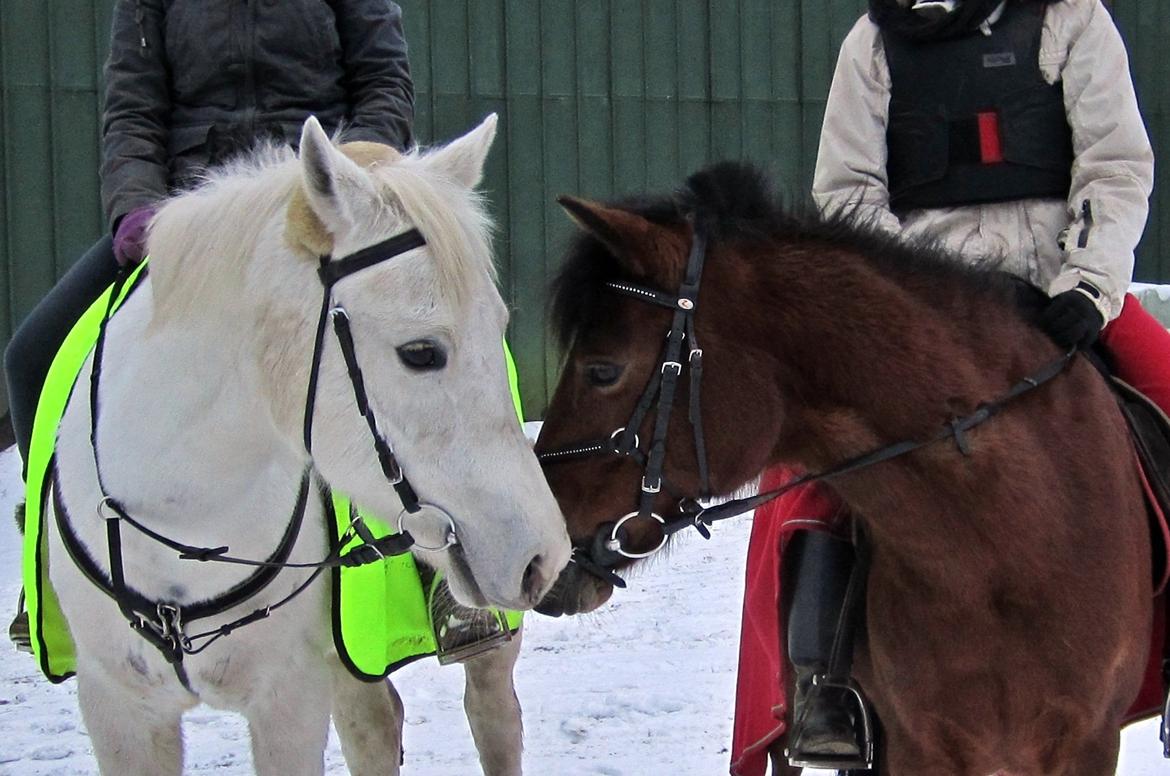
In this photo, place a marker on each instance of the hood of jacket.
(896, 16)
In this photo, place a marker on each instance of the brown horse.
(1008, 608)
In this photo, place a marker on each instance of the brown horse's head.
(614, 345)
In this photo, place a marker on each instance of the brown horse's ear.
(629, 237)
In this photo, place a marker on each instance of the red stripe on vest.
(990, 145)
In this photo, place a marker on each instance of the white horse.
(202, 434)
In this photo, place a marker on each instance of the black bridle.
(608, 545)
(163, 623)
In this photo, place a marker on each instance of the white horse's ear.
(332, 181)
(463, 159)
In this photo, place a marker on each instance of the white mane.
(194, 268)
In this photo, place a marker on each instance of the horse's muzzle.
(575, 592)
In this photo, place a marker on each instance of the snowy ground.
(644, 687)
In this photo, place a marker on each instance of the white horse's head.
(427, 328)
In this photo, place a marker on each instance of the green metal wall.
(598, 98)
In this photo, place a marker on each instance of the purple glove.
(130, 236)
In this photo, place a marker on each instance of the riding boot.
(827, 728)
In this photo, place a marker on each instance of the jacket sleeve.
(137, 110)
(1113, 171)
(850, 173)
(377, 72)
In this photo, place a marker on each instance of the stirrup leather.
(799, 759)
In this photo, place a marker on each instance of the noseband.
(163, 623)
(609, 544)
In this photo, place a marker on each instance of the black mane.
(737, 202)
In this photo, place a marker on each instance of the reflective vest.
(972, 119)
(380, 612)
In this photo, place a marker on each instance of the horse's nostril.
(535, 579)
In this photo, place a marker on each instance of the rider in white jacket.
(1000, 128)
(1113, 167)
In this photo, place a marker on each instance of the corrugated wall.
(612, 97)
(597, 98)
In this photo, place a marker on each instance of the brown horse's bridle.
(609, 544)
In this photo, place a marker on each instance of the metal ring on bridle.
(613, 438)
(338, 310)
(103, 505)
(451, 539)
(615, 543)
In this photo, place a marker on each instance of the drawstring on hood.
(140, 19)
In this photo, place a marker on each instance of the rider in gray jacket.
(189, 83)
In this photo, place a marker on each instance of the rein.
(607, 548)
(163, 623)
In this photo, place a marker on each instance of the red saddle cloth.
(1138, 345)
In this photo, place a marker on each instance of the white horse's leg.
(493, 709)
(129, 734)
(368, 718)
(289, 721)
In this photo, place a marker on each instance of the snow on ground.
(644, 687)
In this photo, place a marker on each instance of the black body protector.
(972, 119)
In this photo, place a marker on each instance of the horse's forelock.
(454, 221)
(731, 192)
(577, 289)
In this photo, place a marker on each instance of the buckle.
(674, 366)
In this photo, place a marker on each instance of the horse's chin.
(575, 592)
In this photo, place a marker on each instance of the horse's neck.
(183, 438)
(863, 361)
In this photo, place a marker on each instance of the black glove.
(1071, 318)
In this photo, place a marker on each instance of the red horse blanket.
(1140, 347)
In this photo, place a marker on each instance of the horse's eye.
(602, 374)
(422, 356)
